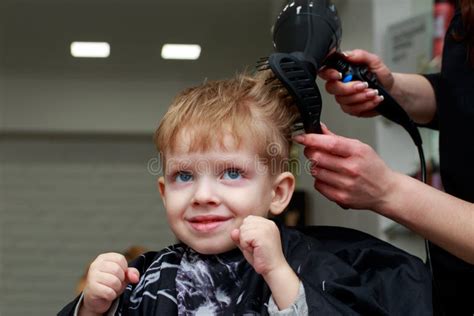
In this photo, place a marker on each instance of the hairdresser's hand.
(354, 97)
(347, 171)
(107, 278)
(259, 240)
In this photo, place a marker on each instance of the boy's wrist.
(84, 311)
(277, 272)
(284, 285)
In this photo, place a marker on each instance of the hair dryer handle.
(389, 107)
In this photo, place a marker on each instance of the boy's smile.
(207, 223)
(208, 194)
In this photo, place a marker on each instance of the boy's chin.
(216, 249)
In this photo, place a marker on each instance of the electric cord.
(424, 180)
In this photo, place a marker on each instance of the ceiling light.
(90, 49)
(180, 51)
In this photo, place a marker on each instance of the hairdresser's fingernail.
(348, 53)
(298, 138)
(372, 93)
(339, 76)
(361, 85)
(381, 98)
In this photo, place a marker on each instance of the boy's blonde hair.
(245, 107)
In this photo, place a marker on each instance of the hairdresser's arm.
(439, 217)
(413, 92)
(350, 173)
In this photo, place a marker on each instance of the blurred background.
(78, 167)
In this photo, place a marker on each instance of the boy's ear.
(161, 188)
(283, 188)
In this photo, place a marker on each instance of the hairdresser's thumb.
(132, 275)
(359, 56)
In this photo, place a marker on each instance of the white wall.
(67, 199)
(392, 142)
(2, 66)
(2, 106)
(2, 61)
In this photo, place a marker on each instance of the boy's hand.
(259, 240)
(107, 278)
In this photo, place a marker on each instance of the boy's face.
(208, 194)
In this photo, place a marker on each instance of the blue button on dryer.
(347, 78)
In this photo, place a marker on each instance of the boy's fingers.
(252, 220)
(235, 235)
(246, 237)
(241, 244)
(105, 292)
(244, 242)
(113, 268)
(110, 281)
(114, 257)
(133, 276)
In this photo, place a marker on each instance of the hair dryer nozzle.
(301, 85)
(308, 28)
(304, 34)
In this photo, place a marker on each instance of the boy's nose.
(205, 194)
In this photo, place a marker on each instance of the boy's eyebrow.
(177, 164)
(216, 163)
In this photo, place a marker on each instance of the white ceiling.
(37, 34)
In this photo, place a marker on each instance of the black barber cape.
(373, 278)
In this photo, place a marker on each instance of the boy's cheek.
(248, 208)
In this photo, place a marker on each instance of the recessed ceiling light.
(90, 49)
(181, 51)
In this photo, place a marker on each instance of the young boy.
(225, 147)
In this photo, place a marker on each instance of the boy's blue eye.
(183, 176)
(232, 174)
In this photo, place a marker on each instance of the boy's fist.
(259, 240)
(107, 278)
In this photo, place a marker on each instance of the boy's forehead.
(188, 141)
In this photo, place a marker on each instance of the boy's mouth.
(207, 223)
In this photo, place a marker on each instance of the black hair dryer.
(306, 37)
